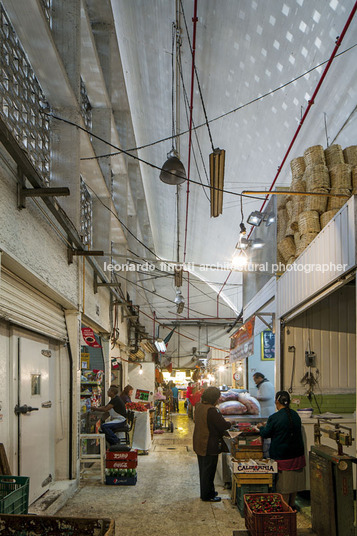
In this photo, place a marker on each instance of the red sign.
(242, 342)
(89, 338)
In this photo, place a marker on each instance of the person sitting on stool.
(117, 413)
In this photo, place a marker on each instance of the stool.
(90, 457)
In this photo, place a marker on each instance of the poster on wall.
(242, 342)
(89, 338)
(267, 346)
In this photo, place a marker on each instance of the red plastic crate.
(128, 455)
(121, 464)
(266, 524)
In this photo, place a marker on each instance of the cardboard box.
(248, 466)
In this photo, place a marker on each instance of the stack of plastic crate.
(120, 468)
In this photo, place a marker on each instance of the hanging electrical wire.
(68, 122)
(186, 102)
(197, 78)
(234, 110)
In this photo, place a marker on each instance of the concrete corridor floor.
(165, 500)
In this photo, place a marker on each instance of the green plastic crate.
(14, 494)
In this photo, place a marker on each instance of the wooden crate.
(33, 525)
(241, 452)
(251, 478)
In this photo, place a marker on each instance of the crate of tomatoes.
(267, 514)
(137, 406)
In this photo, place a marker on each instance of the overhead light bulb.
(243, 230)
(221, 368)
(179, 300)
(141, 369)
(160, 346)
(240, 368)
(239, 259)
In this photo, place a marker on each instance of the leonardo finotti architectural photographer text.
(265, 267)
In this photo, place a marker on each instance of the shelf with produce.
(91, 383)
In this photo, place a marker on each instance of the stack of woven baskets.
(301, 218)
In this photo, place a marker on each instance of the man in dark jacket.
(207, 436)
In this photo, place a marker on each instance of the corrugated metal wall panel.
(23, 305)
(265, 295)
(331, 327)
(334, 245)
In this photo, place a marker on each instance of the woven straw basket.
(309, 222)
(287, 248)
(314, 156)
(305, 240)
(340, 176)
(297, 185)
(297, 239)
(318, 203)
(297, 166)
(327, 216)
(279, 258)
(291, 260)
(337, 202)
(354, 177)
(298, 206)
(350, 155)
(334, 155)
(316, 177)
(281, 201)
(289, 208)
(282, 222)
(289, 231)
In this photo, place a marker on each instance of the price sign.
(142, 395)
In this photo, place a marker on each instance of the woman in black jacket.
(207, 436)
(287, 447)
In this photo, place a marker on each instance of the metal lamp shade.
(173, 171)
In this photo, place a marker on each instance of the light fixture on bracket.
(257, 243)
(255, 218)
(269, 218)
(141, 369)
(243, 230)
(179, 300)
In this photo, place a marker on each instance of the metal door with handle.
(35, 413)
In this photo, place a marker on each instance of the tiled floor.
(165, 500)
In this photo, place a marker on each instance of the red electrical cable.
(194, 20)
(310, 103)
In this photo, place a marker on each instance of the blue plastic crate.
(14, 494)
(120, 480)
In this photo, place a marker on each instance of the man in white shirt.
(265, 395)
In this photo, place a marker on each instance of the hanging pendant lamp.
(173, 171)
